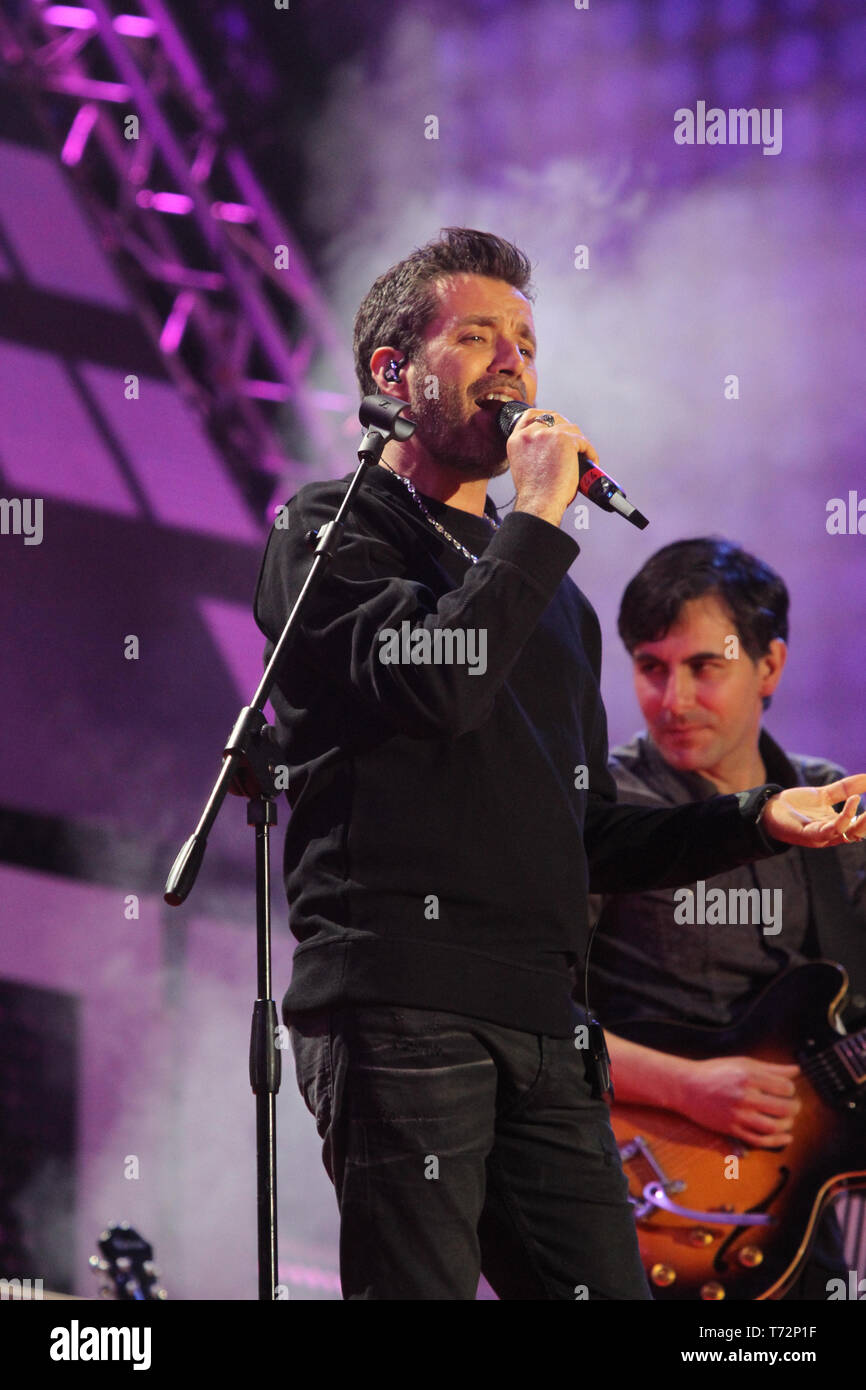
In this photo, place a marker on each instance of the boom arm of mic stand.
(246, 753)
(248, 769)
(382, 417)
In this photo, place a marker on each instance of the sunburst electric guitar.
(717, 1219)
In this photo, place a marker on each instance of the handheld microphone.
(594, 484)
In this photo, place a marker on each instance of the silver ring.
(547, 419)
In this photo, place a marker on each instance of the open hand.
(805, 815)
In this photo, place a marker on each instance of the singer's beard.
(473, 447)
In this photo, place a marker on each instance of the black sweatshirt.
(448, 821)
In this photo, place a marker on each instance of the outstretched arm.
(634, 848)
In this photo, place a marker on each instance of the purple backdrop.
(553, 126)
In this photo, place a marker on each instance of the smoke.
(710, 349)
(166, 1117)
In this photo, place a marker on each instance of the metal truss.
(219, 281)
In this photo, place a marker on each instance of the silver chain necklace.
(407, 482)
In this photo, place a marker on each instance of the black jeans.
(457, 1146)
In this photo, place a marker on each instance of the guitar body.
(687, 1257)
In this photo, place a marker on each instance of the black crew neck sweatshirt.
(447, 821)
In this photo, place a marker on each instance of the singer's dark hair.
(400, 304)
(754, 595)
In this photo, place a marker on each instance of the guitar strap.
(840, 937)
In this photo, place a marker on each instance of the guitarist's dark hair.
(753, 593)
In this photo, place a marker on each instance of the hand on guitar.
(684, 1092)
(751, 1100)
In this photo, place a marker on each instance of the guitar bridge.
(639, 1148)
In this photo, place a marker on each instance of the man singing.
(449, 818)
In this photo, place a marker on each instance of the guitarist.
(706, 626)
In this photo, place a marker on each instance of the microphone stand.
(248, 769)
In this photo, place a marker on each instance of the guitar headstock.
(125, 1263)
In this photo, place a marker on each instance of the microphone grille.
(509, 414)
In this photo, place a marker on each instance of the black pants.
(457, 1146)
